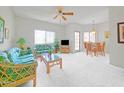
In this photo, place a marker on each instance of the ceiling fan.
(61, 14)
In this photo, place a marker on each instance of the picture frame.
(106, 34)
(120, 28)
(2, 23)
(6, 33)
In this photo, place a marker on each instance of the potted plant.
(50, 51)
(21, 42)
(56, 45)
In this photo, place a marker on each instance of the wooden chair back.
(84, 44)
(102, 45)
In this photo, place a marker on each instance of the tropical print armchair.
(16, 68)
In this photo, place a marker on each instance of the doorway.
(77, 41)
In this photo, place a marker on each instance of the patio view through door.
(77, 41)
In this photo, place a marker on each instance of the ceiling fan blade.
(64, 18)
(68, 13)
(55, 17)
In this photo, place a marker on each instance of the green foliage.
(21, 41)
(50, 51)
(56, 44)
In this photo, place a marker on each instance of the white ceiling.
(82, 14)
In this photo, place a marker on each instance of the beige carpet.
(80, 70)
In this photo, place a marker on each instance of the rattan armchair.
(12, 75)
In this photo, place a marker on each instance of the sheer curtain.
(77, 41)
(89, 37)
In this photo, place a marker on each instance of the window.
(92, 36)
(39, 37)
(77, 40)
(44, 37)
(89, 36)
(86, 37)
(50, 37)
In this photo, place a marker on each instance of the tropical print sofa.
(43, 48)
(17, 67)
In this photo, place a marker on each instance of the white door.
(77, 41)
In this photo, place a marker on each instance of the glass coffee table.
(51, 60)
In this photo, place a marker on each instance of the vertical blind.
(44, 37)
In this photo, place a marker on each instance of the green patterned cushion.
(40, 48)
(25, 52)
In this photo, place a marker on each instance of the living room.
(24, 22)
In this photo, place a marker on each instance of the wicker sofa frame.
(30, 74)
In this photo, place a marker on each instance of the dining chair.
(90, 49)
(103, 48)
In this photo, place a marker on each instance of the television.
(64, 42)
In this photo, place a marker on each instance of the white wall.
(101, 28)
(8, 16)
(116, 14)
(70, 34)
(25, 28)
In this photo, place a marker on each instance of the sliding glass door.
(77, 41)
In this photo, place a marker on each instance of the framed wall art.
(6, 33)
(106, 34)
(120, 29)
(1, 30)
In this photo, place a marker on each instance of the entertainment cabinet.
(65, 48)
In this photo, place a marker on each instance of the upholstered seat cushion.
(25, 52)
(24, 60)
(17, 59)
(43, 48)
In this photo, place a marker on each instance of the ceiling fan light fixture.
(93, 28)
(62, 15)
